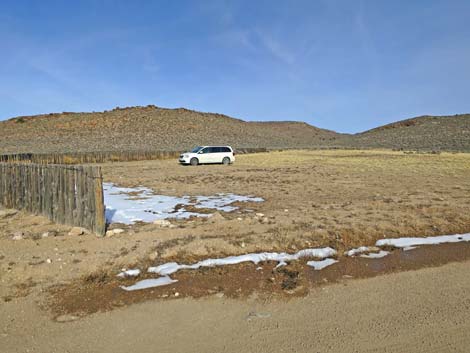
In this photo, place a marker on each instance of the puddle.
(140, 204)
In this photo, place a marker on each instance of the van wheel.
(226, 161)
(194, 161)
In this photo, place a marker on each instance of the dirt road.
(418, 311)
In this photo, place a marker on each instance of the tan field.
(337, 198)
(316, 198)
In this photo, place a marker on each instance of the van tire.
(194, 161)
(226, 161)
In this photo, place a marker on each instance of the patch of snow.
(150, 283)
(129, 273)
(172, 267)
(130, 205)
(221, 202)
(320, 265)
(360, 250)
(378, 255)
(407, 242)
(169, 268)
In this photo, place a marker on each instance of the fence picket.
(66, 194)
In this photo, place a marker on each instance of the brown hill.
(151, 128)
(154, 128)
(443, 133)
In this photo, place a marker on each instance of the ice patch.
(150, 283)
(372, 252)
(282, 259)
(407, 242)
(360, 250)
(129, 273)
(407, 248)
(374, 255)
(172, 267)
(130, 205)
(222, 202)
(320, 265)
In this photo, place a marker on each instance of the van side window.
(206, 150)
(217, 149)
(225, 149)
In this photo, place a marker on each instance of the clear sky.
(344, 65)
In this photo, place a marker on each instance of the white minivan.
(208, 154)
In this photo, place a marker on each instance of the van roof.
(216, 146)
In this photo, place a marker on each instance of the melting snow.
(282, 258)
(378, 255)
(129, 273)
(150, 283)
(172, 267)
(129, 205)
(407, 242)
(320, 265)
(360, 250)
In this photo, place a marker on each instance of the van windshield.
(197, 149)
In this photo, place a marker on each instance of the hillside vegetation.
(154, 128)
(443, 133)
(146, 128)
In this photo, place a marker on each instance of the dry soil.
(338, 198)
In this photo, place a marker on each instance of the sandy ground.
(341, 199)
(418, 311)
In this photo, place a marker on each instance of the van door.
(218, 154)
(206, 155)
(214, 155)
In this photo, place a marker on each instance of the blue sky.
(343, 65)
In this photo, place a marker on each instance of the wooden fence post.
(100, 217)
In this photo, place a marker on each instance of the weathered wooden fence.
(70, 195)
(100, 157)
(86, 157)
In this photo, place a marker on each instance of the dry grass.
(341, 198)
(336, 198)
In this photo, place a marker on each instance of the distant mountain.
(440, 133)
(152, 128)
